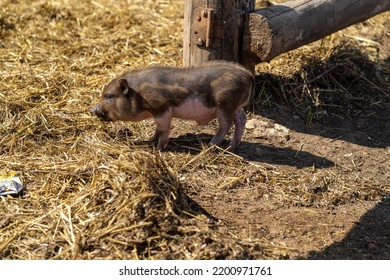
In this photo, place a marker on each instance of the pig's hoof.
(232, 146)
(153, 142)
(161, 146)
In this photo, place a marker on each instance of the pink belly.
(193, 109)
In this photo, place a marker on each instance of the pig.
(213, 90)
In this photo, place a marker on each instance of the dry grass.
(91, 191)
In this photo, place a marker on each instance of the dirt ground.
(310, 180)
(355, 147)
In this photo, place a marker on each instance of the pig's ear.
(124, 85)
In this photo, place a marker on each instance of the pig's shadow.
(195, 143)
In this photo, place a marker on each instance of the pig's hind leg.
(239, 119)
(224, 124)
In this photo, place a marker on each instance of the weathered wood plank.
(226, 39)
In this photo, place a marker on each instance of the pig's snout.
(101, 113)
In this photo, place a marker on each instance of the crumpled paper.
(10, 184)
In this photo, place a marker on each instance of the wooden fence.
(233, 30)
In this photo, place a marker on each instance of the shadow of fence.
(369, 239)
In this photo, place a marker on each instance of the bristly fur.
(212, 90)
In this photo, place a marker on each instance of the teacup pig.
(212, 90)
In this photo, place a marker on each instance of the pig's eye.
(109, 96)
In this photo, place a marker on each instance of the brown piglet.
(202, 93)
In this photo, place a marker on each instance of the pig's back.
(209, 82)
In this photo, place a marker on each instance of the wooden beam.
(277, 29)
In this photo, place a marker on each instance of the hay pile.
(94, 191)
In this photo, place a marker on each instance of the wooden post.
(272, 31)
(213, 30)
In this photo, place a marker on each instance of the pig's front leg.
(163, 127)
